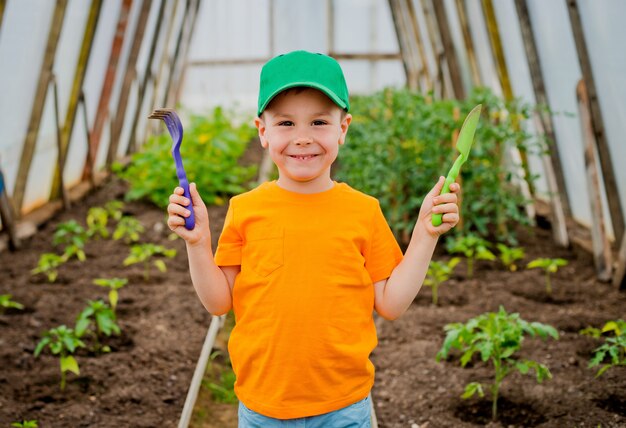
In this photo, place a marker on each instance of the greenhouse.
(340, 213)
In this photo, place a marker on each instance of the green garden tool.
(463, 145)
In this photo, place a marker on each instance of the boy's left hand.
(445, 204)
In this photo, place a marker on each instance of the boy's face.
(303, 129)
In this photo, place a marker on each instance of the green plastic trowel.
(463, 145)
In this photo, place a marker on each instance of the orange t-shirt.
(304, 298)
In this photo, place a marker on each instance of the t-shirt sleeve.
(229, 245)
(382, 253)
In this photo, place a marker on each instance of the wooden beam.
(536, 76)
(7, 217)
(601, 246)
(435, 45)
(597, 123)
(423, 71)
(30, 141)
(448, 48)
(468, 41)
(77, 89)
(151, 124)
(129, 76)
(186, 42)
(619, 278)
(2, 7)
(147, 76)
(107, 85)
(397, 19)
(367, 56)
(174, 60)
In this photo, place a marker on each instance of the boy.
(303, 261)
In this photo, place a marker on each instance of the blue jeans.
(357, 415)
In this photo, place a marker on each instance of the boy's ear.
(260, 126)
(345, 124)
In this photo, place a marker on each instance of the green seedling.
(145, 253)
(73, 236)
(438, 273)
(223, 389)
(614, 346)
(97, 319)
(25, 424)
(48, 264)
(113, 284)
(129, 229)
(509, 255)
(473, 248)
(62, 341)
(97, 221)
(114, 209)
(7, 303)
(549, 266)
(496, 336)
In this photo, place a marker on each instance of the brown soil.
(412, 389)
(143, 381)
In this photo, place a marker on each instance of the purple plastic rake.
(175, 129)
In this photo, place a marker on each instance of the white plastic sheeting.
(366, 26)
(244, 29)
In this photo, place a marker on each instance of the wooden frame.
(449, 50)
(102, 113)
(147, 76)
(601, 246)
(129, 76)
(77, 90)
(30, 141)
(468, 41)
(554, 172)
(604, 154)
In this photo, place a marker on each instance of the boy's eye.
(285, 123)
(319, 122)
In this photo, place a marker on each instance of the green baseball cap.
(302, 68)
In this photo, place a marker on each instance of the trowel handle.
(452, 175)
(190, 222)
(437, 218)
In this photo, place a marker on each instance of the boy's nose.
(303, 141)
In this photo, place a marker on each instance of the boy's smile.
(303, 129)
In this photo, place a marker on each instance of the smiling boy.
(304, 261)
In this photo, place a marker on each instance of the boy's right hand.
(178, 209)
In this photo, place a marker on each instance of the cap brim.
(330, 94)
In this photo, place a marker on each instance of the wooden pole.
(102, 112)
(77, 89)
(151, 124)
(449, 51)
(423, 71)
(61, 155)
(2, 7)
(438, 78)
(398, 23)
(30, 141)
(505, 81)
(129, 76)
(559, 188)
(601, 245)
(619, 279)
(597, 124)
(174, 60)
(147, 76)
(182, 62)
(7, 217)
(469, 44)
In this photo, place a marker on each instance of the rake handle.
(190, 222)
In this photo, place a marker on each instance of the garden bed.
(413, 390)
(144, 380)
